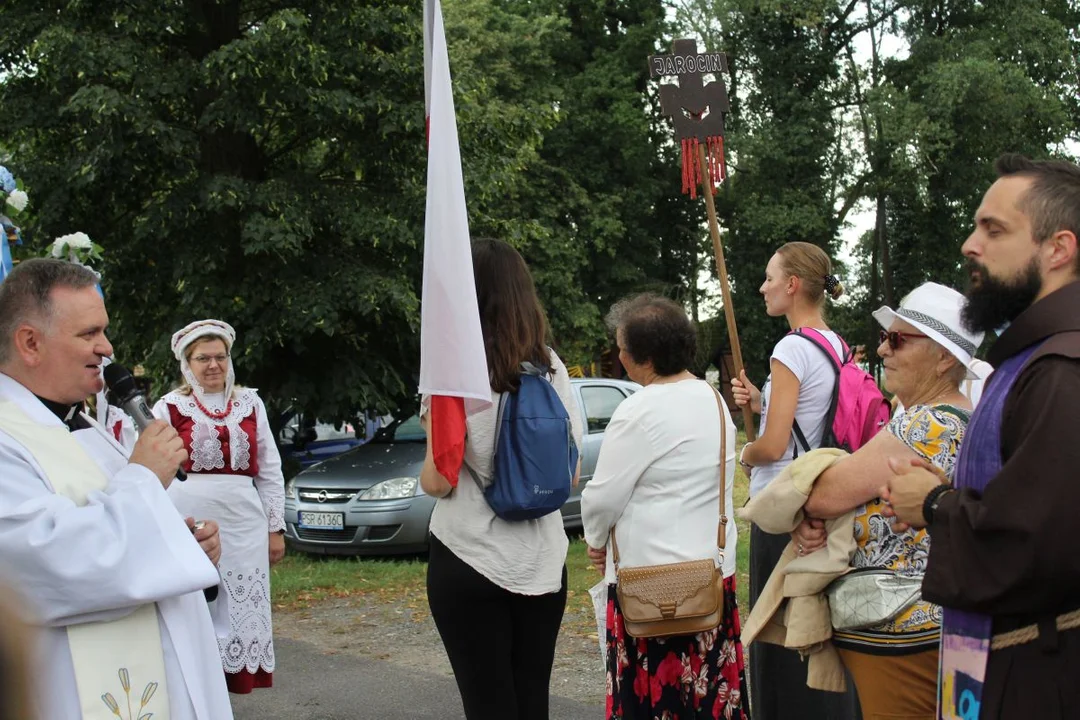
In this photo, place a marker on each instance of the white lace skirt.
(231, 501)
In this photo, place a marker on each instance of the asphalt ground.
(310, 684)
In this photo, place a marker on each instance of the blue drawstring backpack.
(535, 454)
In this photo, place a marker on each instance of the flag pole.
(725, 285)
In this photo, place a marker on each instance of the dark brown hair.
(512, 320)
(657, 330)
(1053, 200)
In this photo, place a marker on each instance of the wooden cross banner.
(696, 108)
(697, 111)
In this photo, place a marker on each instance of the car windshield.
(401, 430)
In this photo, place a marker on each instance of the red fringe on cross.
(692, 172)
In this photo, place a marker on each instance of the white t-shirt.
(657, 479)
(817, 380)
(523, 556)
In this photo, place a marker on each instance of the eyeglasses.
(207, 359)
(896, 339)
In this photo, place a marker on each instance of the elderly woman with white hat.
(234, 477)
(927, 355)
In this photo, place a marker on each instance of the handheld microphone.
(125, 394)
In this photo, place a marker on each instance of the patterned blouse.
(935, 433)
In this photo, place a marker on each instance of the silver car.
(368, 501)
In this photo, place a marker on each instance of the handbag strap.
(721, 528)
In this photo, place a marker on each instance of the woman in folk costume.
(230, 445)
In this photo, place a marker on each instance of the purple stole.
(965, 636)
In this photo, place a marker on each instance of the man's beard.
(994, 302)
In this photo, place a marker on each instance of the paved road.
(310, 685)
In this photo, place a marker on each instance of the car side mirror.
(305, 437)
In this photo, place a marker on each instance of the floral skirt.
(679, 677)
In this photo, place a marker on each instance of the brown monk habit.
(1014, 552)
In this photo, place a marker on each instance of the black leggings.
(501, 645)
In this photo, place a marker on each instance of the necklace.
(210, 413)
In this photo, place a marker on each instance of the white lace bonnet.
(185, 336)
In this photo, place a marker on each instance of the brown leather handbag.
(680, 598)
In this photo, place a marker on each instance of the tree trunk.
(881, 240)
(871, 342)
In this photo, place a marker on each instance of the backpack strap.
(799, 438)
(494, 444)
(818, 339)
(721, 527)
(529, 368)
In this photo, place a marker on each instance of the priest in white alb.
(113, 574)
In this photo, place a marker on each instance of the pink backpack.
(858, 409)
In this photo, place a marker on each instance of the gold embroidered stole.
(119, 664)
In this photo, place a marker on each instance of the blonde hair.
(812, 266)
(184, 388)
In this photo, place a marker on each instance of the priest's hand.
(206, 532)
(160, 450)
(277, 547)
(908, 487)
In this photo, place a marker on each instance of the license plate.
(322, 520)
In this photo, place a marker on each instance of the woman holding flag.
(497, 588)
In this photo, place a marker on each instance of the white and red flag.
(453, 366)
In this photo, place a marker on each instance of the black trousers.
(778, 688)
(501, 645)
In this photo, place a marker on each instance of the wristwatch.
(742, 462)
(933, 499)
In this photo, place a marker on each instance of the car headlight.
(290, 490)
(393, 489)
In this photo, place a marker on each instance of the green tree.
(611, 197)
(264, 163)
(823, 119)
(979, 79)
(788, 164)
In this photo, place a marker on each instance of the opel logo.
(322, 496)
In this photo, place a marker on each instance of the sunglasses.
(896, 339)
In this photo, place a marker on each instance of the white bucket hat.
(935, 310)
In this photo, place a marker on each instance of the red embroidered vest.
(184, 427)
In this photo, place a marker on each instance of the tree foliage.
(899, 106)
(608, 183)
(264, 163)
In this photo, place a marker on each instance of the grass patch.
(300, 581)
(741, 493)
